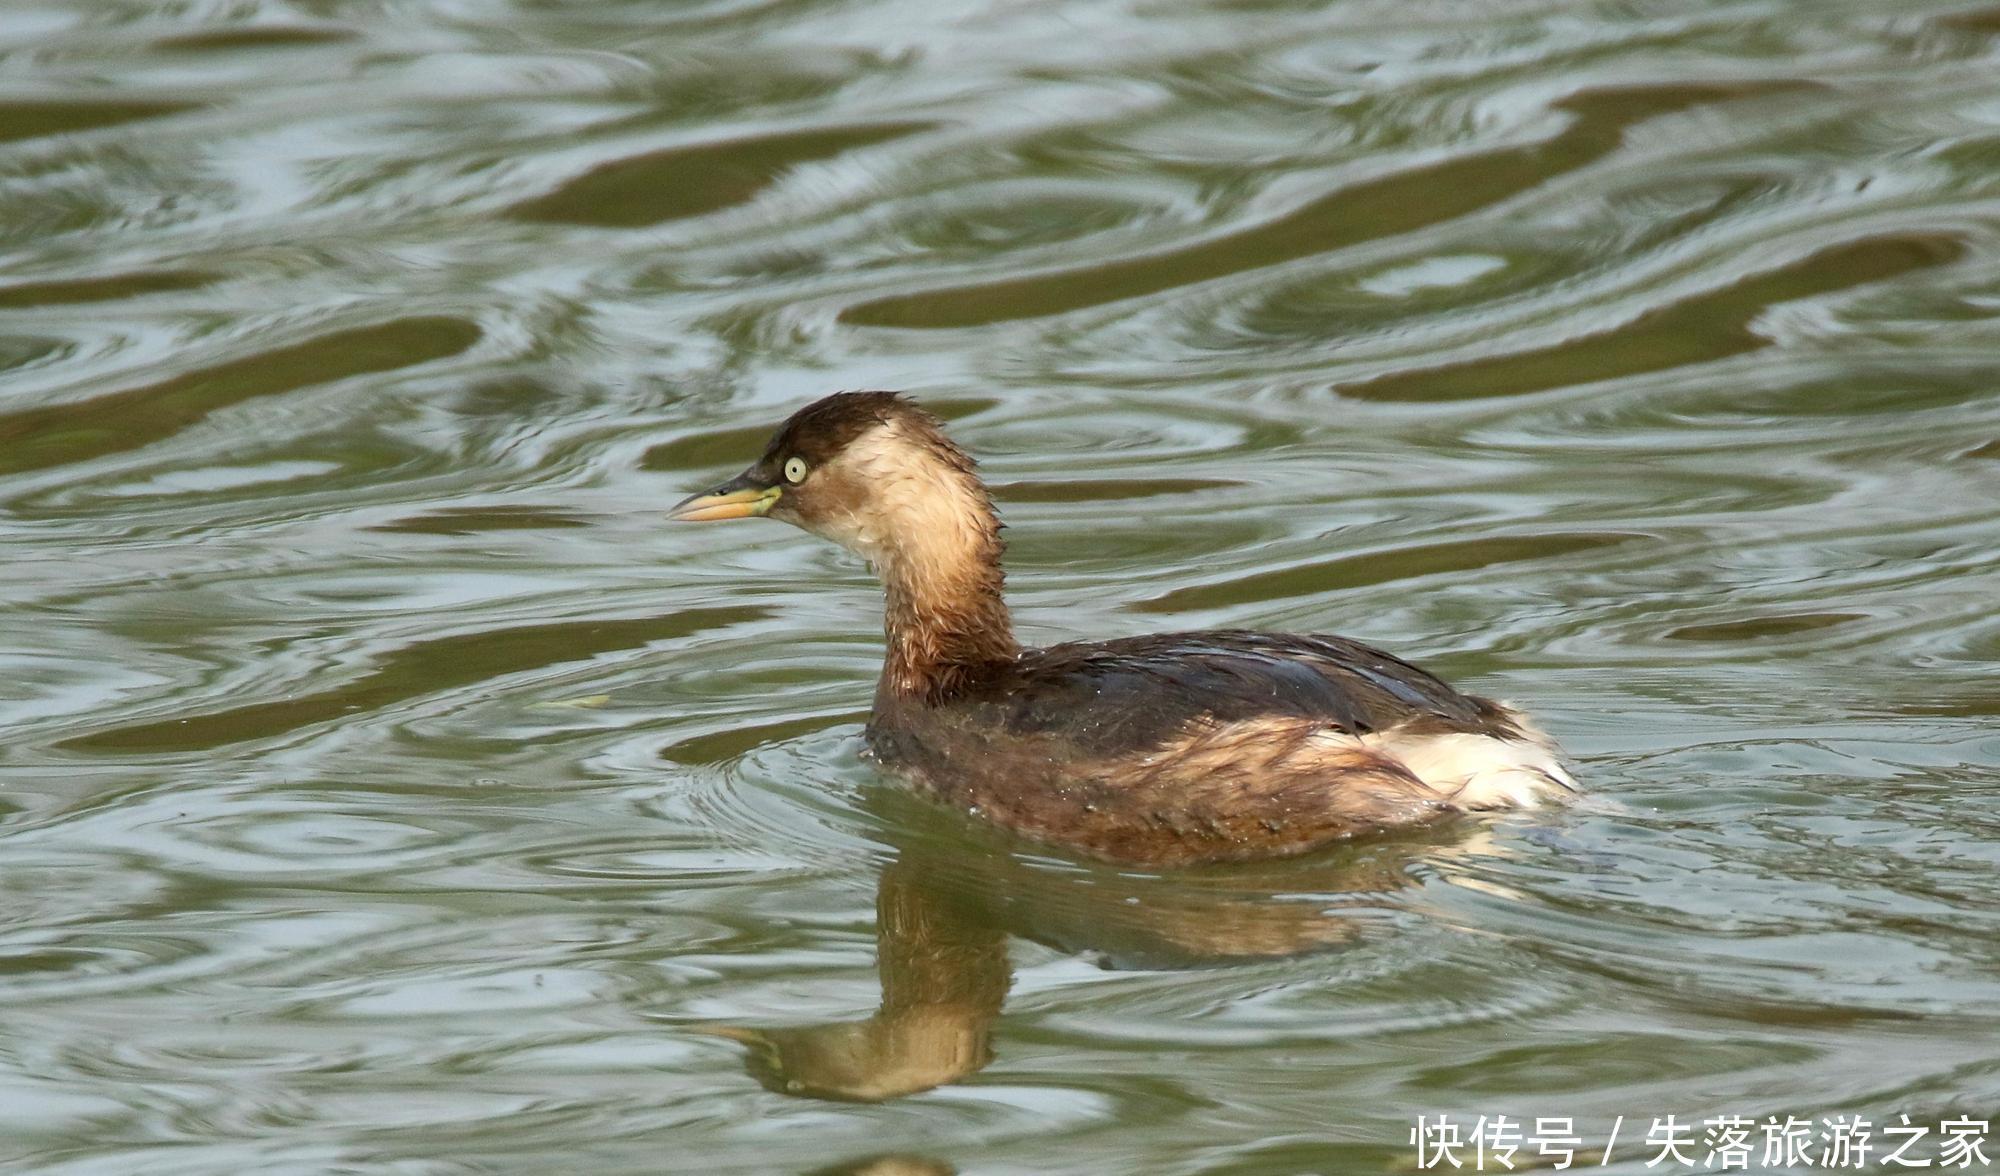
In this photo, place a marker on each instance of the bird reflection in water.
(944, 915)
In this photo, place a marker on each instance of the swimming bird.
(1164, 750)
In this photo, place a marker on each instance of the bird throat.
(945, 618)
(946, 615)
(930, 530)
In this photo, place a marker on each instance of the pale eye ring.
(795, 470)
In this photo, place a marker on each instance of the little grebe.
(1171, 749)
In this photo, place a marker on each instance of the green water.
(385, 787)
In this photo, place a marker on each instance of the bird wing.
(1143, 691)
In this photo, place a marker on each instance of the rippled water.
(386, 788)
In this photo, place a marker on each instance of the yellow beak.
(739, 498)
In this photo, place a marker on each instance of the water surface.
(386, 788)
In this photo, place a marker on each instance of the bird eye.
(795, 470)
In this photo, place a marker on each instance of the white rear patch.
(1463, 768)
(1470, 770)
(1480, 771)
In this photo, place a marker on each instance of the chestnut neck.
(946, 616)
